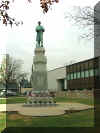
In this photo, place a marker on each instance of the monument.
(39, 68)
(39, 94)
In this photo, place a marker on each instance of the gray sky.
(61, 39)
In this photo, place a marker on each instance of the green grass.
(13, 100)
(2, 121)
(79, 119)
(87, 101)
(2, 101)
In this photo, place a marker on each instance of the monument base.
(40, 98)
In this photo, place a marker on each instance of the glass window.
(82, 74)
(78, 74)
(91, 72)
(96, 72)
(86, 73)
(68, 77)
(71, 75)
(75, 75)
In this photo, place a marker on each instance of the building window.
(75, 75)
(82, 74)
(86, 74)
(96, 72)
(68, 77)
(71, 76)
(91, 72)
(78, 74)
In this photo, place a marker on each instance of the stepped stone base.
(40, 98)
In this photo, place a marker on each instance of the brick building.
(83, 75)
(78, 76)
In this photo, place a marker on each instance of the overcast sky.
(61, 39)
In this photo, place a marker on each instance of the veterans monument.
(39, 94)
(39, 68)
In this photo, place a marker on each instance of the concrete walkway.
(2, 107)
(44, 111)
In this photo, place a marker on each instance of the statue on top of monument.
(39, 38)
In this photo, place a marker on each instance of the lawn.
(2, 100)
(87, 101)
(13, 100)
(2, 121)
(78, 119)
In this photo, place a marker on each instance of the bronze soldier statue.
(39, 38)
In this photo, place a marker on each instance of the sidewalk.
(44, 111)
(2, 107)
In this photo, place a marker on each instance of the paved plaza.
(59, 109)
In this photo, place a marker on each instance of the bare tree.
(11, 70)
(85, 18)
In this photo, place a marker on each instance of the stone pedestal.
(39, 96)
(39, 70)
